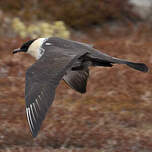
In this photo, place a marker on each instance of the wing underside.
(77, 80)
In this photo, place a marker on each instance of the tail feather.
(138, 66)
(102, 59)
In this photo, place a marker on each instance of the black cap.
(24, 47)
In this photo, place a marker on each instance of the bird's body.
(59, 59)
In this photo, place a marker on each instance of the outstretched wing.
(42, 79)
(77, 80)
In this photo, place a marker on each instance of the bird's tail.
(138, 66)
(102, 59)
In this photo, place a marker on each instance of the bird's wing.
(42, 79)
(77, 80)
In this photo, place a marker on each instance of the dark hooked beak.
(17, 50)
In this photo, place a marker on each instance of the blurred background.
(115, 115)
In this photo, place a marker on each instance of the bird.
(60, 59)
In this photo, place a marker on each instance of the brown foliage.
(114, 115)
(78, 14)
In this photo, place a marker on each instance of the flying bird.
(59, 59)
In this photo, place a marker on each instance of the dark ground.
(115, 115)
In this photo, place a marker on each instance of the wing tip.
(82, 90)
(33, 130)
(34, 134)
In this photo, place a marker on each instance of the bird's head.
(32, 47)
(25, 46)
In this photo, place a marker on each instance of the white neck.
(36, 49)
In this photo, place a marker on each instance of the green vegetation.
(40, 29)
(79, 14)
